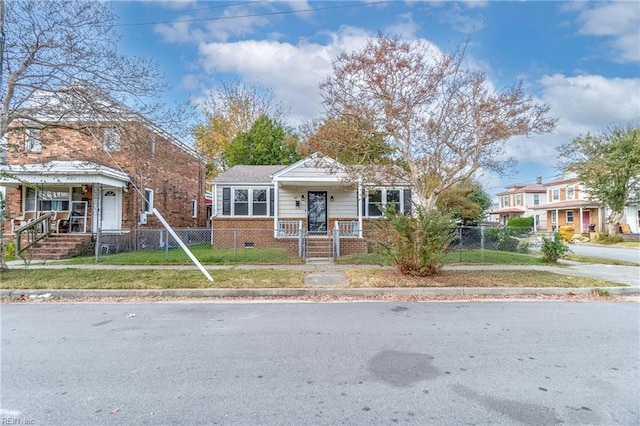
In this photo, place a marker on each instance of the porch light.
(302, 197)
(331, 198)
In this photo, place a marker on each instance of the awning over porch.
(62, 173)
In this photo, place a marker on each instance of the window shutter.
(407, 201)
(272, 201)
(226, 201)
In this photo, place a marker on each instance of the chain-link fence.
(472, 242)
(469, 243)
(114, 241)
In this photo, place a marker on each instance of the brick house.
(520, 200)
(272, 206)
(108, 177)
(569, 204)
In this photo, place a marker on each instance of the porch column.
(581, 224)
(557, 221)
(360, 208)
(275, 209)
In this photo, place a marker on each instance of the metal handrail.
(34, 231)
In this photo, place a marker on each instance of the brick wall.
(151, 161)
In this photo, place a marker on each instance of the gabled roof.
(243, 174)
(334, 169)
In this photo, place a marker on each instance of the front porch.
(346, 236)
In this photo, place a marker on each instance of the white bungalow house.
(314, 202)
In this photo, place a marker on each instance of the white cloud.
(582, 104)
(405, 27)
(619, 21)
(293, 72)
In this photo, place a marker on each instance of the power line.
(254, 15)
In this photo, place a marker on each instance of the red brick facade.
(254, 232)
(149, 158)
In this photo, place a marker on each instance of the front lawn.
(519, 279)
(73, 278)
(476, 256)
(204, 253)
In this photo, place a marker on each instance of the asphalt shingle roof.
(248, 174)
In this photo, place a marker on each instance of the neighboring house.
(106, 177)
(520, 200)
(274, 206)
(569, 204)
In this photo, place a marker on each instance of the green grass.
(74, 278)
(204, 253)
(598, 260)
(466, 256)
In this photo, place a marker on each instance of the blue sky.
(581, 57)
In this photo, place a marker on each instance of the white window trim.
(150, 209)
(250, 201)
(505, 201)
(554, 217)
(536, 199)
(518, 200)
(555, 194)
(573, 192)
(194, 208)
(383, 198)
(32, 135)
(111, 139)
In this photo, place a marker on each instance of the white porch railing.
(349, 228)
(288, 228)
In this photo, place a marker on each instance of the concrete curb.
(310, 292)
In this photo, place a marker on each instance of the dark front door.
(317, 212)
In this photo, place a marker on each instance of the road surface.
(627, 254)
(327, 364)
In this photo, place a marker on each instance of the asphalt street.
(617, 253)
(320, 363)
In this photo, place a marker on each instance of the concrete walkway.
(329, 279)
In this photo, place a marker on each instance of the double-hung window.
(32, 140)
(148, 200)
(241, 202)
(569, 216)
(570, 193)
(556, 194)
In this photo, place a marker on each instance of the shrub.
(524, 247)
(553, 248)
(10, 249)
(520, 222)
(610, 239)
(416, 244)
(501, 239)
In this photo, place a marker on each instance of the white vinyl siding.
(344, 204)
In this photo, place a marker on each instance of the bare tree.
(61, 68)
(230, 109)
(443, 121)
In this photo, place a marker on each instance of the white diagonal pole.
(183, 245)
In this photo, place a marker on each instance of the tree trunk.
(613, 222)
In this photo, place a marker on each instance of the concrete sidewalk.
(326, 278)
